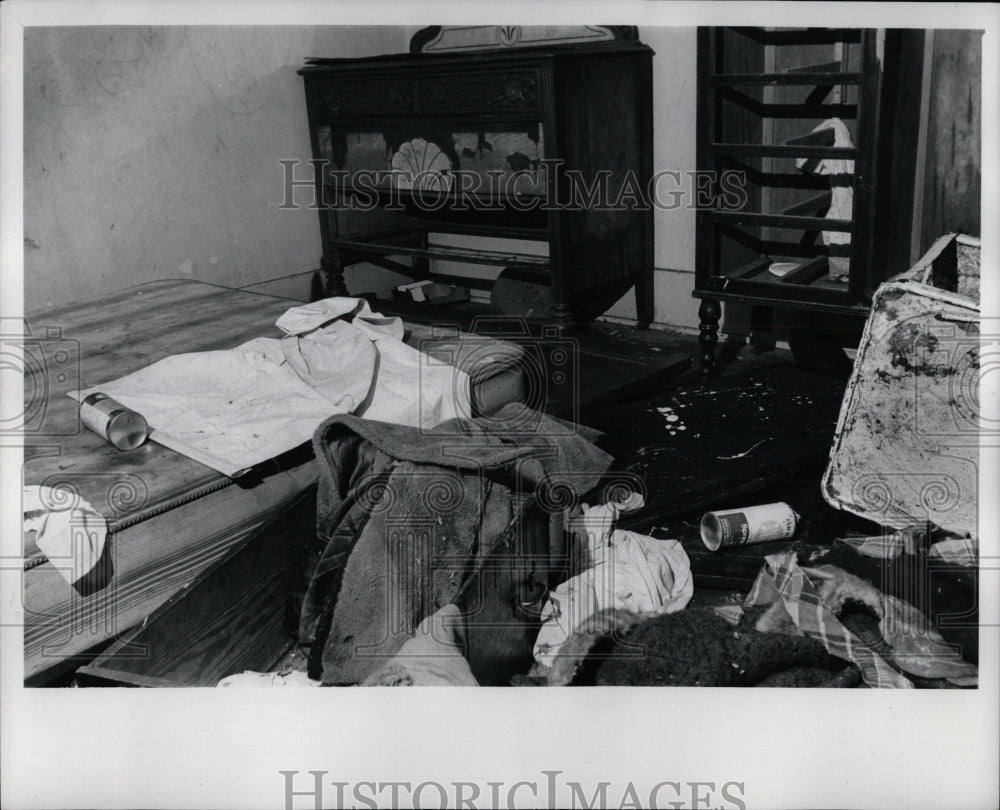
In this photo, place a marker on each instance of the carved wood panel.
(515, 90)
(366, 95)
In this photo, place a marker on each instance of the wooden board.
(114, 337)
(952, 188)
(145, 564)
(168, 516)
(230, 619)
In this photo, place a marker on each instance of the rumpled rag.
(627, 571)
(841, 174)
(233, 409)
(66, 529)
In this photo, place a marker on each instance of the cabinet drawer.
(502, 92)
(363, 94)
(495, 91)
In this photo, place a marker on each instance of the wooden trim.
(96, 675)
(425, 36)
(861, 274)
(750, 268)
(822, 67)
(818, 137)
(809, 36)
(784, 297)
(808, 272)
(783, 221)
(916, 236)
(813, 205)
(444, 253)
(706, 254)
(808, 79)
(784, 151)
(767, 109)
(771, 247)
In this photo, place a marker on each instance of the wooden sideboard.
(434, 157)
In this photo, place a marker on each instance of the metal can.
(753, 524)
(113, 422)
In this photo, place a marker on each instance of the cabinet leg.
(644, 299)
(333, 272)
(709, 312)
(562, 318)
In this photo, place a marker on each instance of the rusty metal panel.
(906, 444)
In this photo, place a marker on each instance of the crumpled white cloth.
(841, 139)
(66, 529)
(262, 679)
(840, 172)
(431, 657)
(961, 551)
(628, 571)
(233, 409)
(306, 318)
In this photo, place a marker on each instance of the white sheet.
(233, 409)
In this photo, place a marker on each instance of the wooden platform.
(168, 516)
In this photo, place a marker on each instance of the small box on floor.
(432, 292)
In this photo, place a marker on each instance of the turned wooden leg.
(562, 318)
(333, 272)
(709, 312)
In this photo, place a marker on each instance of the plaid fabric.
(883, 547)
(782, 578)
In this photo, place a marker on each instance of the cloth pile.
(253, 679)
(432, 657)
(406, 516)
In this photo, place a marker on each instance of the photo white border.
(221, 749)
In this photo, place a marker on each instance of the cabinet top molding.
(444, 38)
(525, 49)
